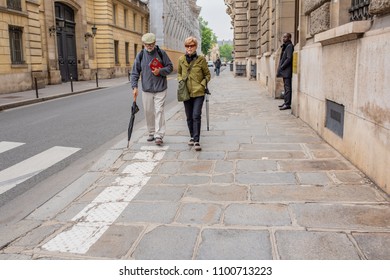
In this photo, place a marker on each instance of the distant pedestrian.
(154, 85)
(285, 69)
(195, 66)
(218, 64)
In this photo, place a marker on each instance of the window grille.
(359, 10)
(14, 5)
(335, 117)
(15, 42)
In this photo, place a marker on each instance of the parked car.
(223, 63)
(210, 63)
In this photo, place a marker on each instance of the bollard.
(128, 73)
(71, 83)
(36, 87)
(97, 80)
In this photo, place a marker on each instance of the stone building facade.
(173, 21)
(340, 83)
(54, 41)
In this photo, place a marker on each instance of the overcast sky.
(214, 12)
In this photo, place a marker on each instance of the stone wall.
(39, 45)
(379, 7)
(318, 12)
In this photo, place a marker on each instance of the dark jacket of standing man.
(285, 69)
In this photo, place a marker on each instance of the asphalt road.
(91, 123)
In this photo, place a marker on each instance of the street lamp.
(91, 35)
(94, 30)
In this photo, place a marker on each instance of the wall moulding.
(346, 32)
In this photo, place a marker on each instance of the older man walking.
(153, 65)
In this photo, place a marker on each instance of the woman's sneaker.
(197, 146)
(191, 142)
(158, 141)
(150, 138)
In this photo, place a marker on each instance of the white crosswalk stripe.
(5, 146)
(30, 167)
(96, 217)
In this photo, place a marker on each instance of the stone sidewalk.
(265, 186)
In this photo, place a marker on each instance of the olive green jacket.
(199, 75)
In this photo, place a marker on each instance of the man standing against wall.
(285, 69)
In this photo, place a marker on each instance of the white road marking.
(96, 217)
(30, 167)
(5, 146)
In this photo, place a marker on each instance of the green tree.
(226, 52)
(207, 35)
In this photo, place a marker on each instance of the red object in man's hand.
(155, 64)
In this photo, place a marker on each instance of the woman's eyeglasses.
(189, 46)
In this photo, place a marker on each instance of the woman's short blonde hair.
(190, 40)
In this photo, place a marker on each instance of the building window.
(114, 13)
(142, 25)
(135, 50)
(125, 13)
(14, 5)
(16, 46)
(134, 21)
(127, 53)
(116, 50)
(359, 10)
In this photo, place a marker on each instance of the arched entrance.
(66, 42)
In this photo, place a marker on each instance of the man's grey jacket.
(150, 82)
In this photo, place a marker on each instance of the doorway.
(66, 42)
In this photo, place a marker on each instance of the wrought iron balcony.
(359, 10)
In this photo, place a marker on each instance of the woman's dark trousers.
(193, 108)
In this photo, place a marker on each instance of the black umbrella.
(134, 110)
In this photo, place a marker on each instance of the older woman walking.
(195, 67)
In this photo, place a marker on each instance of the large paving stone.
(375, 246)
(193, 167)
(14, 257)
(36, 236)
(157, 212)
(304, 245)
(199, 213)
(350, 177)
(167, 243)
(313, 165)
(188, 179)
(266, 178)
(223, 179)
(256, 165)
(337, 216)
(266, 155)
(314, 178)
(234, 244)
(292, 193)
(257, 215)
(282, 139)
(161, 193)
(115, 242)
(169, 167)
(224, 166)
(271, 147)
(220, 193)
(11, 232)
